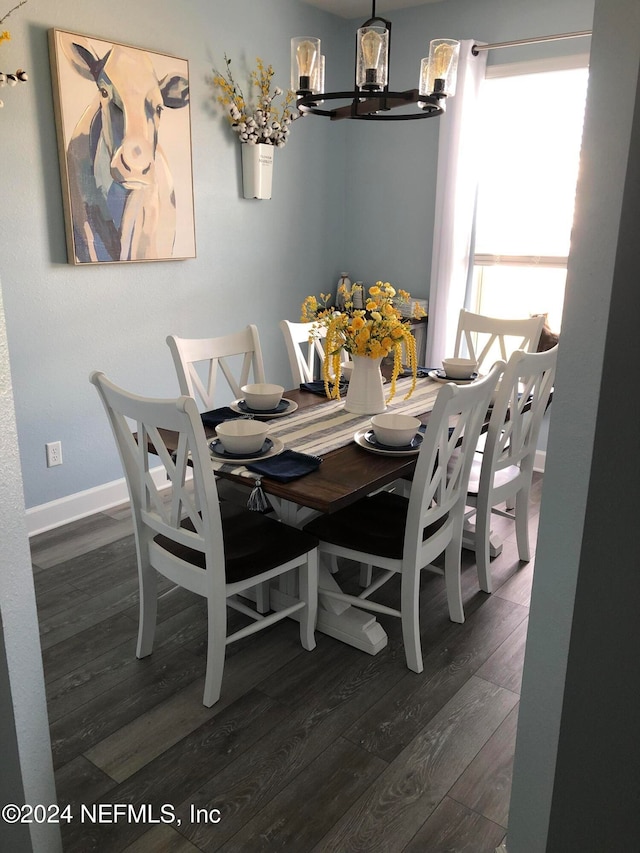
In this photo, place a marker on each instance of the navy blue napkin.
(317, 387)
(288, 465)
(217, 416)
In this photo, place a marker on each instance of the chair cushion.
(253, 544)
(374, 525)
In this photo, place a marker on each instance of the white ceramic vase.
(365, 394)
(257, 170)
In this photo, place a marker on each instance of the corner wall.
(575, 783)
(25, 748)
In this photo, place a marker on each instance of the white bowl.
(459, 368)
(242, 435)
(262, 395)
(394, 430)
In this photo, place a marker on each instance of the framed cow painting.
(124, 140)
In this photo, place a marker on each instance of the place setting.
(245, 441)
(460, 371)
(392, 435)
(263, 400)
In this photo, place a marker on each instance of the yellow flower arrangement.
(261, 121)
(376, 331)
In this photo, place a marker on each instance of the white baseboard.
(81, 504)
(540, 460)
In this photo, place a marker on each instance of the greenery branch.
(18, 76)
(257, 119)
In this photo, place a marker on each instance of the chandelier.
(371, 99)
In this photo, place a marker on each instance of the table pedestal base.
(469, 540)
(338, 619)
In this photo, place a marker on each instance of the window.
(528, 172)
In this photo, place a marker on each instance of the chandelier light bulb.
(442, 56)
(373, 48)
(438, 72)
(305, 55)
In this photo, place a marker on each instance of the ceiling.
(362, 8)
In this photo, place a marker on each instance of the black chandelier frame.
(371, 105)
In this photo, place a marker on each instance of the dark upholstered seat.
(375, 524)
(250, 540)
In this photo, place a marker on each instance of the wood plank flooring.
(331, 751)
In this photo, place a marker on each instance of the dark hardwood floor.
(308, 752)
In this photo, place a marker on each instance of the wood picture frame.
(123, 124)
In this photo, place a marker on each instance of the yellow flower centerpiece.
(376, 331)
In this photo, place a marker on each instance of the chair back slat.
(520, 404)
(306, 353)
(225, 365)
(201, 388)
(441, 477)
(482, 337)
(198, 361)
(150, 469)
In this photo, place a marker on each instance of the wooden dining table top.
(345, 475)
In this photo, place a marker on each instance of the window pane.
(503, 291)
(529, 162)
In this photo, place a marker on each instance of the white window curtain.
(455, 200)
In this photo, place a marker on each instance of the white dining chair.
(197, 361)
(504, 471)
(486, 339)
(398, 534)
(212, 548)
(306, 352)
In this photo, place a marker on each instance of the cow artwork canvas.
(124, 137)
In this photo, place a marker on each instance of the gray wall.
(256, 259)
(576, 784)
(26, 770)
(354, 196)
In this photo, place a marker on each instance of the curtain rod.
(478, 47)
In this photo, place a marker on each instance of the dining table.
(317, 426)
(350, 469)
(323, 427)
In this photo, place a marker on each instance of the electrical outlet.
(54, 453)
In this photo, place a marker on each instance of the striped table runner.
(320, 429)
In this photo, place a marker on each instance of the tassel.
(258, 501)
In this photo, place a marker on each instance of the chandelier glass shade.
(371, 99)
